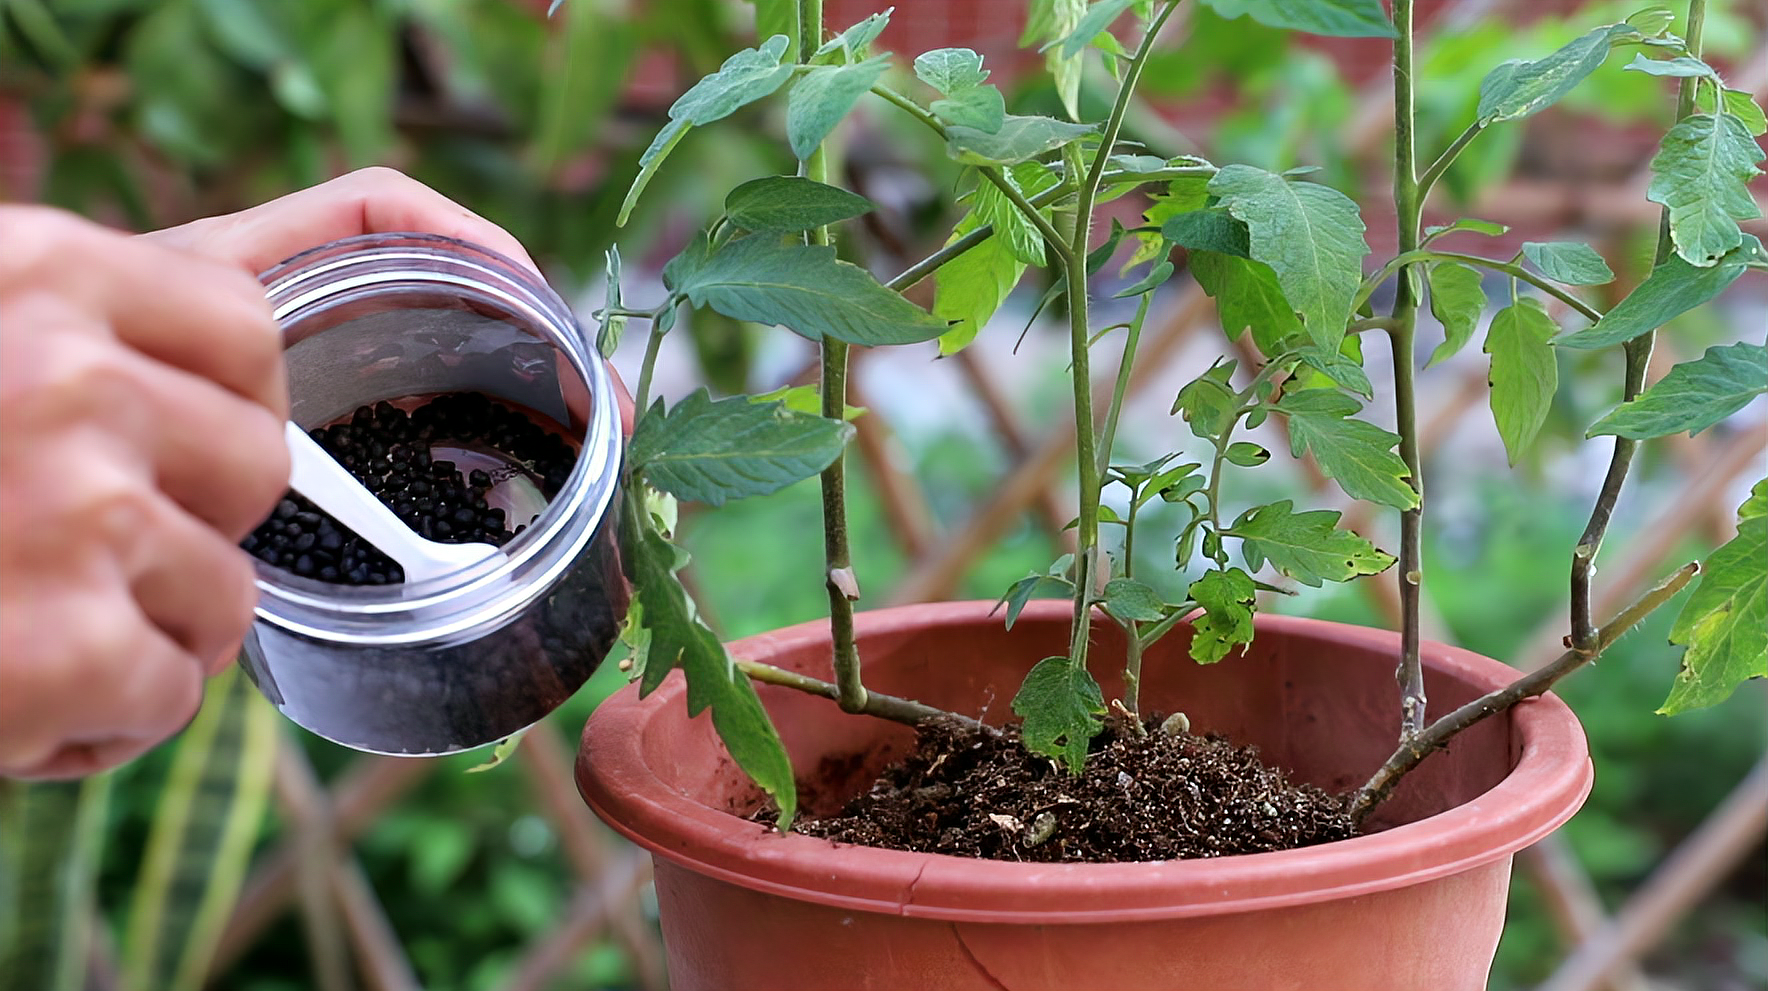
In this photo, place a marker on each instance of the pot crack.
(987, 975)
(908, 895)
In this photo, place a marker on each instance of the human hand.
(143, 394)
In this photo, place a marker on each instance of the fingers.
(369, 201)
(193, 585)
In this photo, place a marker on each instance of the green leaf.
(1571, 262)
(744, 78)
(1053, 19)
(1524, 372)
(1520, 87)
(1181, 196)
(1061, 705)
(711, 451)
(1457, 299)
(1652, 21)
(992, 207)
(1247, 298)
(500, 752)
(1680, 66)
(1097, 18)
(807, 399)
(1738, 104)
(1343, 371)
(1473, 224)
(784, 204)
(649, 162)
(1247, 454)
(1725, 621)
(822, 97)
(856, 40)
(1310, 235)
(1357, 453)
(1033, 587)
(1307, 547)
(801, 287)
(1214, 229)
(1672, 288)
(679, 639)
(1157, 276)
(979, 107)
(1208, 402)
(1228, 601)
(607, 338)
(1335, 18)
(1694, 395)
(50, 852)
(971, 287)
(1129, 599)
(1701, 175)
(1018, 139)
(950, 70)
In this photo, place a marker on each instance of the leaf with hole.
(1694, 395)
(1724, 623)
(1701, 175)
(1061, 705)
(714, 450)
(785, 204)
(802, 287)
(1573, 263)
(1228, 599)
(1307, 547)
(1208, 403)
(1524, 372)
(1357, 453)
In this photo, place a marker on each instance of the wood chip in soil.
(1167, 796)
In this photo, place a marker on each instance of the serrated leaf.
(1521, 87)
(1694, 395)
(1524, 372)
(1725, 621)
(971, 287)
(806, 399)
(784, 204)
(856, 40)
(1019, 139)
(1738, 104)
(711, 451)
(1573, 263)
(1681, 66)
(1672, 288)
(1213, 229)
(1341, 370)
(744, 78)
(1228, 599)
(1457, 299)
(1208, 404)
(1357, 453)
(950, 70)
(1246, 454)
(649, 163)
(1473, 224)
(993, 207)
(822, 97)
(607, 338)
(1061, 705)
(1334, 18)
(679, 639)
(1097, 18)
(1307, 547)
(979, 107)
(799, 286)
(1247, 298)
(1311, 236)
(1033, 587)
(1701, 175)
(1132, 600)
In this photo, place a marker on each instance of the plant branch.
(1510, 269)
(1408, 206)
(877, 704)
(1131, 343)
(1429, 179)
(648, 366)
(1638, 356)
(1410, 753)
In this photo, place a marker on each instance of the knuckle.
(119, 517)
(36, 237)
(375, 176)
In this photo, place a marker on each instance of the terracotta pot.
(1417, 905)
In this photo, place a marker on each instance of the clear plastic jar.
(468, 659)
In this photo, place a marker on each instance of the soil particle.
(1166, 796)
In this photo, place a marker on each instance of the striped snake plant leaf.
(51, 838)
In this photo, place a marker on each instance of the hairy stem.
(1638, 356)
(1535, 683)
(1408, 206)
(877, 704)
(1510, 269)
(653, 345)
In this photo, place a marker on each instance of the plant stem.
(877, 704)
(1638, 356)
(1125, 365)
(1408, 206)
(1429, 179)
(837, 555)
(1535, 683)
(653, 345)
(1510, 269)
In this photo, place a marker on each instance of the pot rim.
(1549, 782)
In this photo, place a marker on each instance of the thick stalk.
(1638, 356)
(1405, 312)
(837, 555)
(877, 704)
